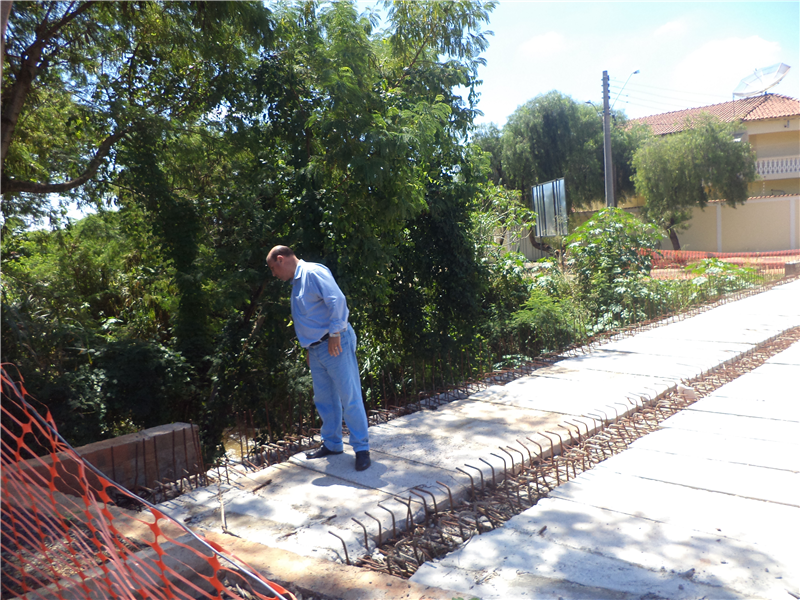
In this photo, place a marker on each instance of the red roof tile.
(756, 108)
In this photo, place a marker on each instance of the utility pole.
(608, 165)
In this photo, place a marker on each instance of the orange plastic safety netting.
(667, 258)
(81, 544)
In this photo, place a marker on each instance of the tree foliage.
(553, 136)
(679, 172)
(229, 128)
(78, 77)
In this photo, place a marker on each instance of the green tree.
(553, 136)
(85, 316)
(550, 137)
(678, 172)
(489, 139)
(79, 76)
(339, 139)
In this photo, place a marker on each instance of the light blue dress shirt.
(318, 305)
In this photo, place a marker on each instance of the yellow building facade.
(770, 219)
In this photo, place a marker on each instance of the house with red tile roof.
(770, 219)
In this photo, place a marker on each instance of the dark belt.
(324, 337)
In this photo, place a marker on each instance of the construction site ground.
(706, 506)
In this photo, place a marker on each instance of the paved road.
(600, 537)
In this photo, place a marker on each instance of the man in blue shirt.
(319, 312)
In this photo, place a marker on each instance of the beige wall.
(771, 145)
(774, 187)
(759, 225)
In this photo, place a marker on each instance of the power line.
(660, 109)
(653, 87)
(668, 106)
(671, 100)
(657, 99)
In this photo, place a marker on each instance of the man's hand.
(334, 346)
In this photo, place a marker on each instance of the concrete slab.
(751, 397)
(577, 392)
(772, 527)
(286, 506)
(509, 563)
(609, 361)
(706, 354)
(757, 453)
(790, 356)
(467, 431)
(735, 426)
(717, 561)
(390, 474)
(715, 325)
(740, 480)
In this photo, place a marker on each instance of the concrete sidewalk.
(296, 506)
(706, 507)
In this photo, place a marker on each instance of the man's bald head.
(282, 261)
(279, 251)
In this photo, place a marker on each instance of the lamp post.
(608, 164)
(636, 72)
(608, 167)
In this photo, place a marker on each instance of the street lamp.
(608, 167)
(623, 86)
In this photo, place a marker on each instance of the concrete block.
(772, 527)
(771, 454)
(496, 563)
(163, 453)
(741, 480)
(735, 426)
(159, 454)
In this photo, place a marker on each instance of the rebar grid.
(492, 503)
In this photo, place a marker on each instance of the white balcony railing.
(782, 165)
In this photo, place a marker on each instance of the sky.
(688, 54)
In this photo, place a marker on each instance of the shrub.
(544, 324)
(714, 277)
(609, 255)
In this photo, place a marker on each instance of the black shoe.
(362, 460)
(321, 452)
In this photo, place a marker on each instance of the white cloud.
(546, 44)
(671, 29)
(718, 66)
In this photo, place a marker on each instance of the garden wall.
(143, 459)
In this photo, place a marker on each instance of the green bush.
(714, 277)
(544, 325)
(609, 256)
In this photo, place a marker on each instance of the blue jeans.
(337, 394)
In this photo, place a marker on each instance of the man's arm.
(336, 303)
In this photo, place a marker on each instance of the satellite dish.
(760, 81)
